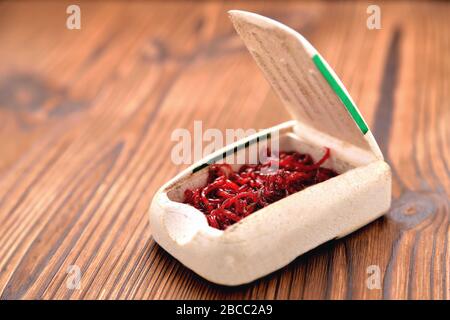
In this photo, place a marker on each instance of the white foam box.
(324, 115)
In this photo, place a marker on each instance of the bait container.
(324, 116)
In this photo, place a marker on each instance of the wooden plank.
(86, 117)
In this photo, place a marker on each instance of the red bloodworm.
(230, 215)
(223, 194)
(230, 201)
(317, 164)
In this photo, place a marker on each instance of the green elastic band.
(318, 61)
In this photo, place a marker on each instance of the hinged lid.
(305, 83)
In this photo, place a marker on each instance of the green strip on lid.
(231, 151)
(318, 61)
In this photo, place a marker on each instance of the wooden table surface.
(85, 123)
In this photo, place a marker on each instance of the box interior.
(288, 141)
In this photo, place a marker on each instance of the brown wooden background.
(85, 124)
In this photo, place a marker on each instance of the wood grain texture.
(85, 124)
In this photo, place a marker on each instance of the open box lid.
(307, 86)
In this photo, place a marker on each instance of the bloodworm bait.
(230, 196)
